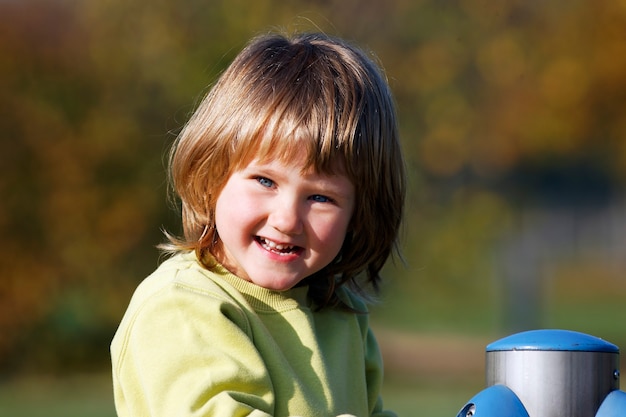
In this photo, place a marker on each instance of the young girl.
(292, 185)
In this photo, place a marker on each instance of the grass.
(69, 396)
(427, 375)
(90, 395)
(434, 398)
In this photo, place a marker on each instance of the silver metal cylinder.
(555, 373)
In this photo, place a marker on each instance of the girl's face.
(277, 225)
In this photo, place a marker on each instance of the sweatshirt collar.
(261, 299)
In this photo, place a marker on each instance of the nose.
(286, 216)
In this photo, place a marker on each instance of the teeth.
(275, 246)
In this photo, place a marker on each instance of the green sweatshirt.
(195, 342)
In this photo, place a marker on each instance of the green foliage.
(93, 93)
(75, 396)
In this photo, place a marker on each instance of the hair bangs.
(291, 129)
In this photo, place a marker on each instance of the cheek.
(225, 211)
(234, 213)
(332, 234)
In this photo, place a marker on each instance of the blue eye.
(320, 198)
(265, 182)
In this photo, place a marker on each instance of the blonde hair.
(281, 95)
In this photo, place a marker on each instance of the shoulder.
(351, 299)
(179, 304)
(181, 274)
(358, 305)
(181, 292)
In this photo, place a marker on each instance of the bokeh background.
(513, 119)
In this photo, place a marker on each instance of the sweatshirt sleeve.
(374, 375)
(180, 353)
(373, 360)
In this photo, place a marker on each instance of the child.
(292, 186)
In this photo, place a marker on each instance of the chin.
(278, 287)
(281, 285)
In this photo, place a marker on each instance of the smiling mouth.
(277, 248)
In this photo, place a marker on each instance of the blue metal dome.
(554, 340)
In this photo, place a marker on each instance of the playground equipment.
(550, 373)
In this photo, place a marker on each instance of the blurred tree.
(93, 93)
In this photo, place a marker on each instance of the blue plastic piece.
(556, 340)
(495, 401)
(614, 405)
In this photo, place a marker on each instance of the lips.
(278, 248)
